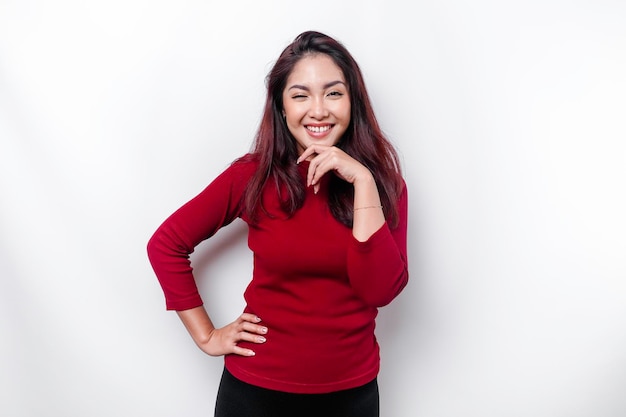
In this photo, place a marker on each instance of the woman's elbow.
(381, 295)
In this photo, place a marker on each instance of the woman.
(326, 206)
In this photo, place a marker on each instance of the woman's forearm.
(198, 324)
(368, 212)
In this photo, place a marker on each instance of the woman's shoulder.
(235, 177)
(244, 166)
(250, 160)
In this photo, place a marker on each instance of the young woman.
(326, 205)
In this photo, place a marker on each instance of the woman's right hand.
(225, 340)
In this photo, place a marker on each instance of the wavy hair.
(275, 148)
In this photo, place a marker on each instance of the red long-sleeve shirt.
(315, 287)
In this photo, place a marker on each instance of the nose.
(318, 109)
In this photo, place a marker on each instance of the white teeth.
(318, 129)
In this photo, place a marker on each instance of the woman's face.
(316, 102)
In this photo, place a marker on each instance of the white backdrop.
(510, 121)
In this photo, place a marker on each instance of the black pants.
(236, 398)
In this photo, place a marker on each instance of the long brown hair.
(275, 148)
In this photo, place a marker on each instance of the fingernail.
(263, 329)
(257, 319)
(260, 339)
(251, 353)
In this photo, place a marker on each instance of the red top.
(316, 288)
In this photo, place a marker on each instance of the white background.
(510, 120)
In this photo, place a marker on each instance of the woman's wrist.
(364, 179)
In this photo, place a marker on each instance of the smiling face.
(316, 102)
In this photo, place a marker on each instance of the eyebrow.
(327, 85)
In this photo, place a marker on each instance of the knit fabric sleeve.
(378, 267)
(175, 239)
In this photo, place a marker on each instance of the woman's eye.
(299, 96)
(335, 94)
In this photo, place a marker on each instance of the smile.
(319, 129)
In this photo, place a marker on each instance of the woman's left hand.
(331, 158)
